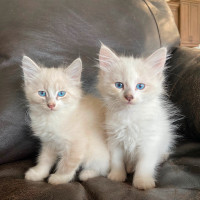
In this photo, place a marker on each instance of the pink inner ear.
(106, 57)
(159, 63)
(157, 59)
(74, 69)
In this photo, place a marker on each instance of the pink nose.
(51, 105)
(129, 97)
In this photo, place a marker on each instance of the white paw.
(86, 174)
(56, 179)
(34, 174)
(117, 175)
(144, 182)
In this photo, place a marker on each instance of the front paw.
(144, 182)
(87, 174)
(56, 179)
(117, 175)
(34, 174)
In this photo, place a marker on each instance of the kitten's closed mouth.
(52, 109)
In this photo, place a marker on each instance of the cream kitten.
(138, 119)
(69, 126)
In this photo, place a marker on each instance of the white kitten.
(138, 119)
(68, 125)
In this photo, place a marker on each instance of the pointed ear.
(30, 68)
(106, 57)
(157, 59)
(74, 69)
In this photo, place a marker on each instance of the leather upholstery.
(178, 179)
(184, 91)
(56, 32)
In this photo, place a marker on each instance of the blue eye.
(61, 93)
(140, 86)
(42, 93)
(119, 85)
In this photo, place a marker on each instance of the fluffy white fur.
(71, 131)
(140, 131)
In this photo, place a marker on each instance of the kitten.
(68, 125)
(138, 119)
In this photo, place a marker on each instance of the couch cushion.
(179, 178)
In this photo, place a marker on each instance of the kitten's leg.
(67, 166)
(118, 172)
(45, 161)
(148, 159)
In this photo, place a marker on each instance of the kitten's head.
(52, 89)
(128, 81)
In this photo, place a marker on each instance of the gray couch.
(52, 32)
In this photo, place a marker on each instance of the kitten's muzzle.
(129, 97)
(51, 105)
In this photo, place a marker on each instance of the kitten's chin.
(130, 103)
(52, 110)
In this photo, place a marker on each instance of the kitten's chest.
(46, 127)
(125, 133)
(124, 130)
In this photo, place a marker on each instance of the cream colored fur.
(140, 132)
(72, 131)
